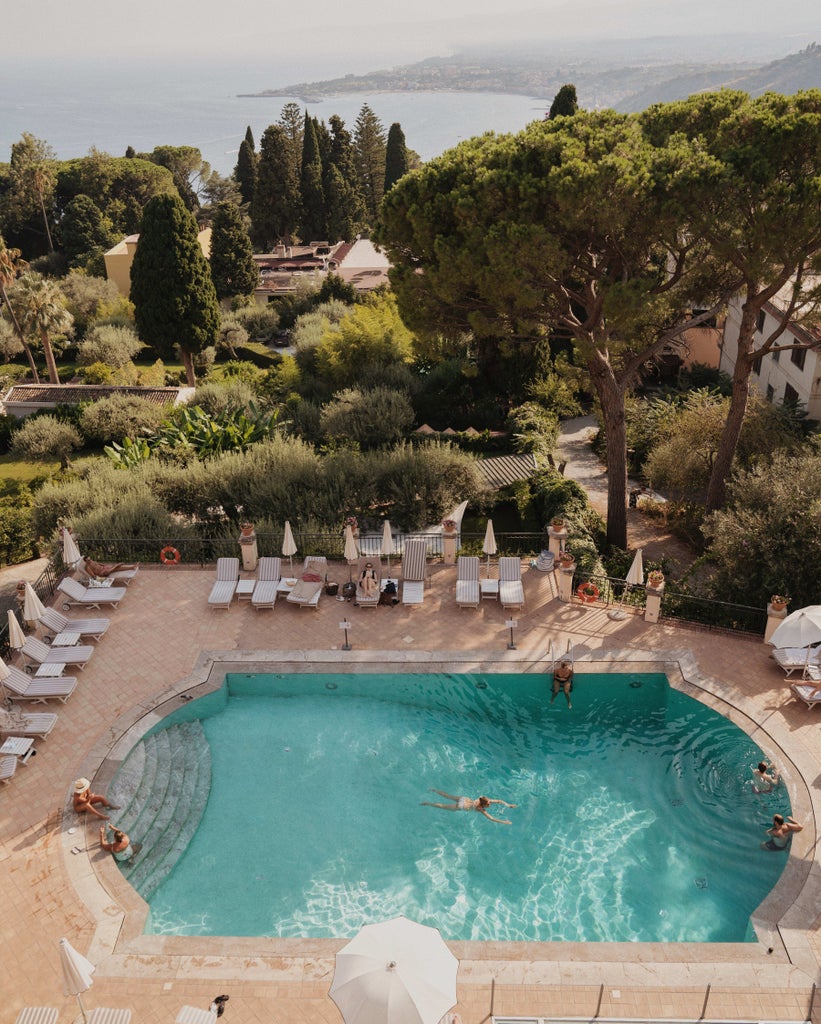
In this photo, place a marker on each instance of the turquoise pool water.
(635, 817)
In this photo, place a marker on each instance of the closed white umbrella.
(351, 550)
(395, 972)
(77, 973)
(800, 628)
(4, 674)
(387, 548)
(33, 607)
(288, 544)
(16, 635)
(635, 575)
(489, 546)
(71, 553)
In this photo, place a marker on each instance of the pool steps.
(163, 788)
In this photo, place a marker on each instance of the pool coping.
(781, 958)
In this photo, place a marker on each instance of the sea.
(80, 106)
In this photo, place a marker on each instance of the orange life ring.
(587, 593)
(169, 556)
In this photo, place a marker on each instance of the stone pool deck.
(164, 640)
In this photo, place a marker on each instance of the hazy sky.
(362, 34)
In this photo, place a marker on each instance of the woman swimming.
(465, 803)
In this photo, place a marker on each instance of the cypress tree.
(291, 122)
(275, 207)
(343, 199)
(233, 270)
(396, 156)
(249, 138)
(171, 287)
(312, 221)
(245, 173)
(565, 103)
(369, 144)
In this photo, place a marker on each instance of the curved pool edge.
(782, 921)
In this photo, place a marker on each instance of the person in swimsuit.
(563, 678)
(120, 846)
(765, 777)
(781, 832)
(465, 803)
(84, 800)
(368, 582)
(103, 569)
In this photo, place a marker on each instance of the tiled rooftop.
(164, 640)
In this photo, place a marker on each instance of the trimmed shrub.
(118, 416)
(45, 437)
(110, 344)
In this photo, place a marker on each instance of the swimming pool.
(634, 811)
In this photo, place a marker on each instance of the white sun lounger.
(41, 654)
(368, 600)
(36, 724)
(414, 563)
(55, 622)
(511, 591)
(109, 1015)
(75, 593)
(19, 686)
(121, 576)
(306, 593)
(792, 659)
(467, 581)
(222, 593)
(808, 692)
(38, 1015)
(194, 1015)
(8, 766)
(269, 571)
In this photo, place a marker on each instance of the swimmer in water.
(781, 832)
(765, 777)
(465, 803)
(563, 679)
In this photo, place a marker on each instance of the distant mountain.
(625, 82)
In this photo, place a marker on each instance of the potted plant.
(778, 602)
(566, 559)
(449, 525)
(655, 578)
(246, 529)
(557, 523)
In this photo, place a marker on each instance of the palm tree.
(10, 267)
(41, 310)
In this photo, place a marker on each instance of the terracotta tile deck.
(154, 651)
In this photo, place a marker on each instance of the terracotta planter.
(246, 529)
(778, 606)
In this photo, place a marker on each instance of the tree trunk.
(610, 393)
(188, 363)
(716, 489)
(51, 365)
(20, 335)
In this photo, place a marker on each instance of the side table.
(19, 746)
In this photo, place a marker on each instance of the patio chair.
(467, 581)
(307, 592)
(75, 593)
(38, 1015)
(414, 563)
(39, 653)
(511, 591)
(792, 659)
(269, 571)
(223, 590)
(364, 598)
(810, 694)
(19, 686)
(8, 766)
(37, 724)
(55, 623)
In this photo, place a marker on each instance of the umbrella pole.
(82, 1008)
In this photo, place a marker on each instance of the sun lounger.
(265, 588)
(35, 724)
(8, 766)
(808, 692)
(414, 564)
(363, 598)
(75, 593)
(511, 591)
(41, 654)
(792, 659)
(122, 577)
(38, 1015)
(222, 593)
(195, 1015)
(467, 581)
(19, 686)
(109, 1015)
(306, 592)
(55, 622)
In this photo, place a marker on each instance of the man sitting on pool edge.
(563, 677)
(465, 803)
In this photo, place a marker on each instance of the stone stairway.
(162, 788)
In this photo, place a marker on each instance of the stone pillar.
(565, 578)
(248, 547)
(652, 608)
(449, 544)
(556, 540)
(775, 616)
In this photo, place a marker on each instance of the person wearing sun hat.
(84, 799)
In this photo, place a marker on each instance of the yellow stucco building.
(119, 259)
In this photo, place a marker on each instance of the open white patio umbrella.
(77, 972)
(71, 553)
(387, 548)
(395, 972)
(288, 544)
(351, 550)
(800, 628)
(489, 545)
(33, 607)
(16, 635)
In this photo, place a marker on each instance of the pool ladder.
(554, 657)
